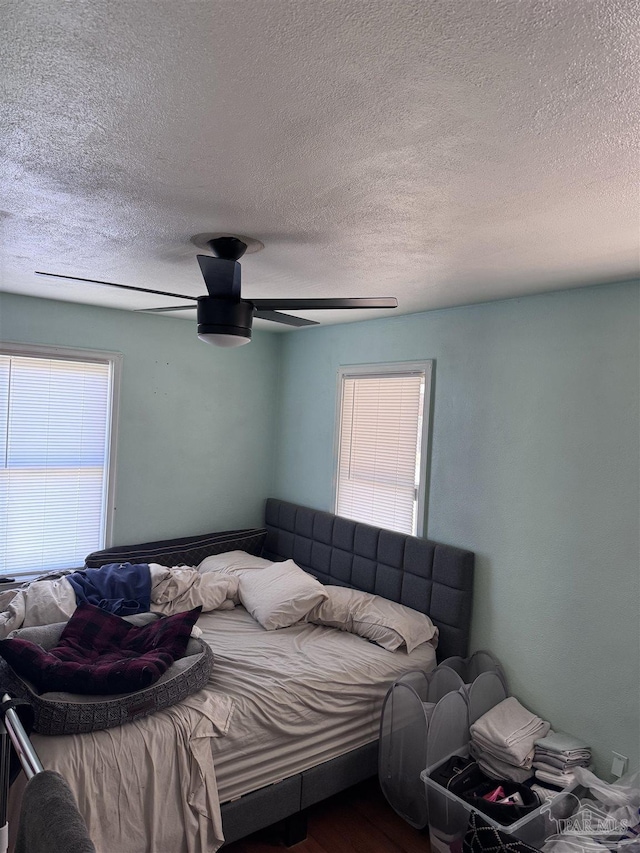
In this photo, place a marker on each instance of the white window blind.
(379, 456)
(55, 417)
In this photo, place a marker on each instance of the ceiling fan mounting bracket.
(228, 248)
(203, 241)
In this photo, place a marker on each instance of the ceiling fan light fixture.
(224, 339)
(224, 322)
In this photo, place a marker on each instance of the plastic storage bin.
(449, 815)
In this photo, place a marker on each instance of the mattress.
(303, 695)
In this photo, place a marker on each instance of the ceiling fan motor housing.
(219, 316)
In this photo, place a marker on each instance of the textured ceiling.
(441, 152)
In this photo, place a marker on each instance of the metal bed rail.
(13, 733)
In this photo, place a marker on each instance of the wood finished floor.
(357, 821)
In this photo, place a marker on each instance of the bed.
(284, 722)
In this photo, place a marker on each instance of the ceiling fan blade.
(287, 319)
(121, 286)
(318, 304)
(221, 276)
(161, 310)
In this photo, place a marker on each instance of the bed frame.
(427, 576)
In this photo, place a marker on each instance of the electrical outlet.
(619, 764)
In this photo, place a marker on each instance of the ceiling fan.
(224, 318)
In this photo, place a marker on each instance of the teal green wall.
(535, 467)
(197, 423)
(535, 464)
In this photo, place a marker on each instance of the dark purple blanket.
(99, 653)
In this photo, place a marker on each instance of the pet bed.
(60, 713)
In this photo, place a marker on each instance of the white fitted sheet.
(303, 695)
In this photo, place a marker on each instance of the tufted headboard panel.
(427, 576)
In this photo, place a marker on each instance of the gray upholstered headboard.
(427, 576)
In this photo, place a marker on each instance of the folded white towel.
(555, 760)
(524, 732)
(561, 780)
(554, 768)
(508, 732)
(562, 743)
(519, 755)
(497, 769)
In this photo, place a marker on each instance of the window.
(383, 429)
(57, 411)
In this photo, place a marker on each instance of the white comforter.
(173, 590)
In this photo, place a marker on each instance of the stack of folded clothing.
(502, 740)
(556, 757)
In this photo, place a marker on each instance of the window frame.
(397, 368)
(114, 359)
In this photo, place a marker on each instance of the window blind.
(54, 454)
(381, 419)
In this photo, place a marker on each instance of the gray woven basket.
(71, 713)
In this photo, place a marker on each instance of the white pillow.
(279, 595)
(232, 561)
(384, 622)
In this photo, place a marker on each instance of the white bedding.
(173, 590)
(277, 703)
(304, 694)
(147, 787)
